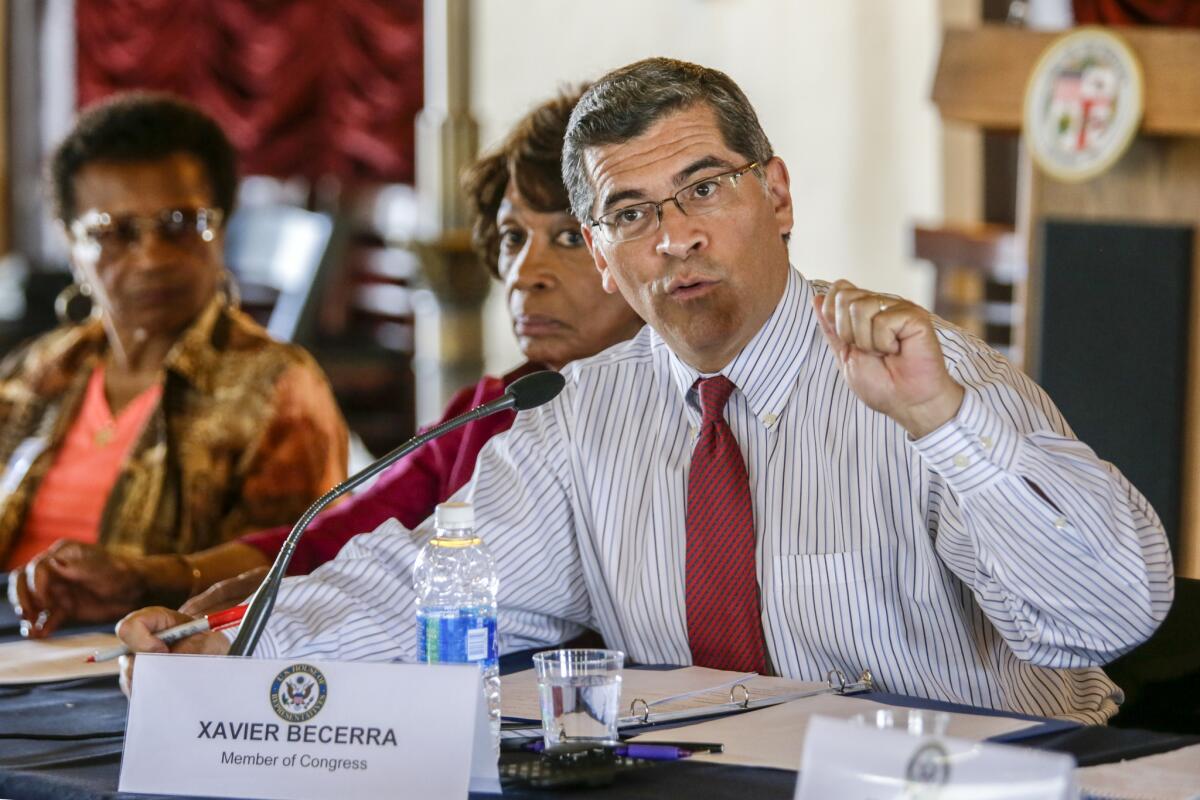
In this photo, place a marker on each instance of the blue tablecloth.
(62, 741)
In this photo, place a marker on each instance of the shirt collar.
(767, 367)
(195, 355)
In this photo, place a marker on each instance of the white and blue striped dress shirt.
(935, 563)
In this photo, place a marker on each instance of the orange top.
(72, 495)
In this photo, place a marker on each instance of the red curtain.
(303, 87)
(1178, 13)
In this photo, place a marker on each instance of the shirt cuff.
(972, 449)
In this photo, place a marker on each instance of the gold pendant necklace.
(104, 434)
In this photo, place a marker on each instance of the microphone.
(525, 393)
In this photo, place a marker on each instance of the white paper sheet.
(774, 736)
(519, 693)
(1166, 776)
(59, 658)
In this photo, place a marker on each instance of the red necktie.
(723, 613)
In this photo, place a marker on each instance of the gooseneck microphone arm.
(528, 392)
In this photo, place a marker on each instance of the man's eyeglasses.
(696, 199)
(177, 226)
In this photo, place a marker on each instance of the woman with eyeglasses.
(527, 238)
(166, 421)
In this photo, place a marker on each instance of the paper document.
(1166, 776)
(59, 658)
(774, 737)
(703, 687)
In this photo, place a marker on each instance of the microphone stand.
(263, 602)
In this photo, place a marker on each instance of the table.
(63, 741)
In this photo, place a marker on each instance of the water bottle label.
(457, 636)
(477, 642)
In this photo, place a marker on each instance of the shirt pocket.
(823, 613)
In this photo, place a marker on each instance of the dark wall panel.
(1114, 339)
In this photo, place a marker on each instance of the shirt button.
(961, 461)
(769, 419)
(1060, 523)
(986, 441)
(692, 431)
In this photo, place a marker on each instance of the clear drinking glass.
(917, 721)
(580, 693)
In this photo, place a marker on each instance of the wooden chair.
(329, 284)
(282, 257)
(367, 344)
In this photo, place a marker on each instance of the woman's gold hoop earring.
(75, 305)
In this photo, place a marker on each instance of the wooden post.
(448, 335)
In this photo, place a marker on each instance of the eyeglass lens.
(696, 199)
(175, 226)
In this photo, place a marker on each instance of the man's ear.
(779, 190)
(600, 259)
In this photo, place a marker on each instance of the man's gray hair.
(625, 102)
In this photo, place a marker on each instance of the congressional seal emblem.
(298, 693)
(1083, 104)
(927, 772)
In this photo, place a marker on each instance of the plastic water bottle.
(456, 584)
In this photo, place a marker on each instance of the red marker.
(212, 622)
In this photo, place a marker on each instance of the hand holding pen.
(216, 621)
(140, 630)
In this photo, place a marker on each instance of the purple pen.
(653, 752)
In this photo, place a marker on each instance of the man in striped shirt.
(774, 473)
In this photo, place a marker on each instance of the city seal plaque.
(1083, 104)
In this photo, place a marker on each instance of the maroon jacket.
(409, 490)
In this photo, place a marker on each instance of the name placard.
(854, 762)
(243, 727)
